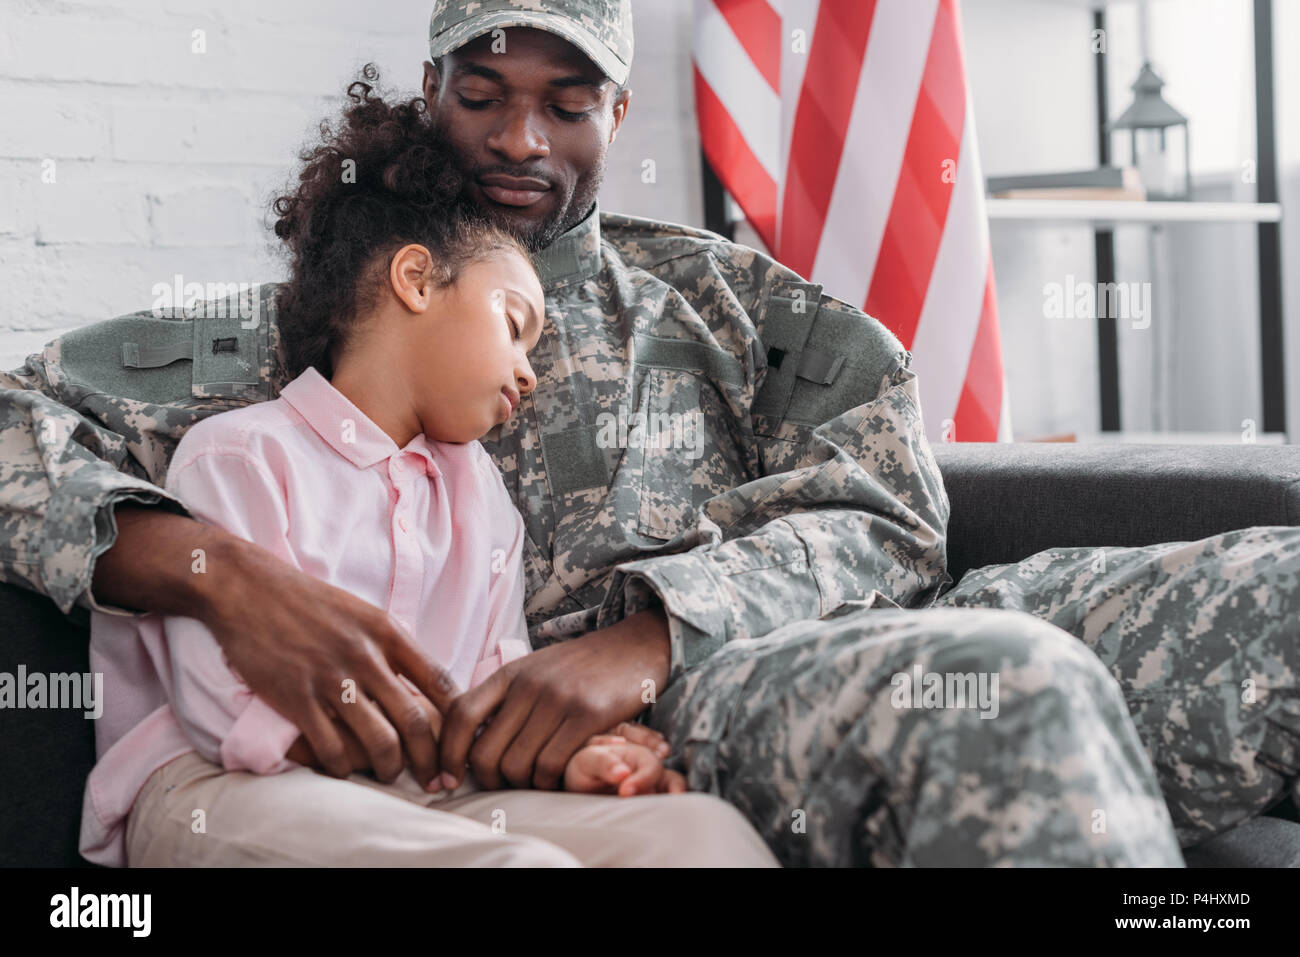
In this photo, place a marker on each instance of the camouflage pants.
(1188, 660)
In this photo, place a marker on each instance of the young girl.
(407, 322)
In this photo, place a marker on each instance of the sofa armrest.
(47, 752)
(1010, 500)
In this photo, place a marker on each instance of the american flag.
(844, 130)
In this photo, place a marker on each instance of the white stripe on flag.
(795, 15)
(888, 86)
(1004, 412)
(941, 349)
(1004, 421)
(754, 106)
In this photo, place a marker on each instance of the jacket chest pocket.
(688, 451)
(629, 460)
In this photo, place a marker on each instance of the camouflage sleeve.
(852, 510)
(61, 474)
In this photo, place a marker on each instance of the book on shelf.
(1137, 194)
(1104, 182)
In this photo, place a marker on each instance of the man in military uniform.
(780, 601)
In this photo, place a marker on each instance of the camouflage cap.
(602, 29)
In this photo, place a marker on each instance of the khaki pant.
(303, 818)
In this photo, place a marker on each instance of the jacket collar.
(574, 256)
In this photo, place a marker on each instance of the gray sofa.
(1008, 502)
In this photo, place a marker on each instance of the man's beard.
(537, 235)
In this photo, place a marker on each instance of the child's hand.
(637, 734)
(609, 764)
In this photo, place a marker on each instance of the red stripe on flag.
(734, 162)
(979, 408)
(921, 196)
(821, 122)
(758, 28)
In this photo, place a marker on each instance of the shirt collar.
(574, 256)
(344, 427)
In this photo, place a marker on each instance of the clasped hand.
(561, 716)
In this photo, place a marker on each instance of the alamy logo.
(656, 430)
(1098, 300)
(950, 689)
(102, 910)
(58, 690)
(213, 300)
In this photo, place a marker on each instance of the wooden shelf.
(1096, 212)
(1084, 4)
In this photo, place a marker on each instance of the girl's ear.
(411, 276)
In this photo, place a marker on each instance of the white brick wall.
(165, 159)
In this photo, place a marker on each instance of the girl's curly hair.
(385, 178)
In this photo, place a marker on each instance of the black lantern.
(1155, 129)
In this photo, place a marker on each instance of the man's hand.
(292, 638)
(357, 759)
(541, 708)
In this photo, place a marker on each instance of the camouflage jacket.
(708, 431)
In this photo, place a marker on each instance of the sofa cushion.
(1012, 500)
(46, 753)
(1260, 842)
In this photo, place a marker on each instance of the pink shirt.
(427, 532)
